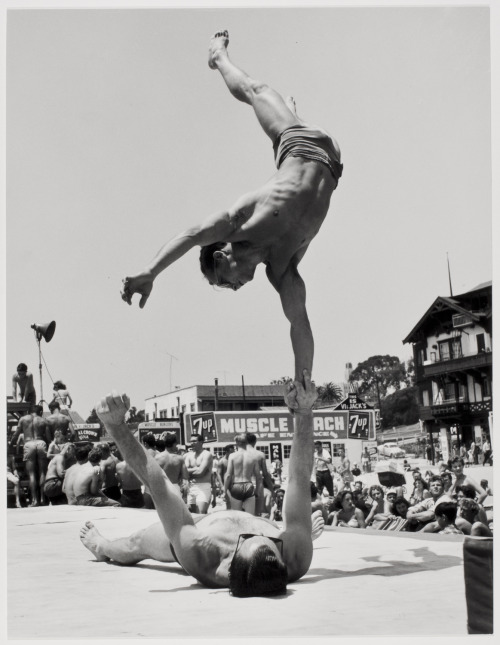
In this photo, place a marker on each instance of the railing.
(454, 408)
(463, 362)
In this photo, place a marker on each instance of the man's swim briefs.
(242, 491)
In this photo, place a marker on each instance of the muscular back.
(173, 465)
(245, 466)
(58, 422)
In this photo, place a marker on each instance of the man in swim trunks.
(273, 225)
(251, 555)
(58, 421)
(199, 467)
(243, 466)
(173, 464)
(36, 439)
(260, 496)
(131, 495)
(23, 380)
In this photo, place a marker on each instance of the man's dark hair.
(170, 439)
(82, 452)
(22, 367)
(59, 385)
(449, 509)
(160, 445)
(196, 437)
(468, 491)
(104, 449)
(251, 438)
(263, 574)
(436, 478)
(38, 410)
(229, 447)
(95, 456)
(458, 460)
(54, 406)
(241, 439)
(149, 440)
(207, 260)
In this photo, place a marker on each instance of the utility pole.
(170, 371)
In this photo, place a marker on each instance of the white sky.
(119, 136)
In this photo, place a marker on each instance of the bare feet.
(92, 539)
(318, 524)
(218, 43)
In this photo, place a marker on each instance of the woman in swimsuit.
(348, 515)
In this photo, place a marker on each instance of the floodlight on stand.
(46, 332)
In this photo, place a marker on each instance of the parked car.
(392, 450)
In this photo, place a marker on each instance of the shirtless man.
(82, 457)
(461, 479)
(243, 467)
(260, 498)
(273, 225)
(173, 464)
(56, 472)
(23, 380)
(108, 467)
(131, 496)
(58, 421)
(36, 439)
(251, 555)
(199, 466)
(88, 481)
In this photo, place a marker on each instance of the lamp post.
(46, 332)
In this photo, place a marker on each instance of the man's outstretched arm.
(215, 228)
(292, 292)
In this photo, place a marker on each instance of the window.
(265, 450)
(481, 345)
(449, 391)
(218, 451)
(425, 398)
(286, 452)
(451, 348)
(486, 387)
(183, 409)
(172, 412)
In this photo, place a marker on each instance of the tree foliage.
(400, 408)
(378, 375)
(284, 380)
(329, 393)
(93, 418)
(135, 416)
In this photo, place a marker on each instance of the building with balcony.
(452, 345)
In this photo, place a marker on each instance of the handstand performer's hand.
(112, 409)
(141, 283)
(305, 393)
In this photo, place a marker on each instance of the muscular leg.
(31, 470)
(272, 112)
(42, 471)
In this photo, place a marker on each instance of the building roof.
(459, 304)
(233, 391)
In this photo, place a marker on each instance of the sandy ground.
(360, 583)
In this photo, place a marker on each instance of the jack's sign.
(278, 426)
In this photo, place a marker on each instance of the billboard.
(278, 426)
(87, 432)
(159, 429)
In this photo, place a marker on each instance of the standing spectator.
(428, 453)
(36, 434)
(345, 470)
(277, 509)
(149, 442)
(131, 492)
(222, 465)
(473, 453)
(58, 421)
(265, 475)
(242, 467)
(486, 451)
(199, 466)
(23, 380)
(462, 451)
(322, 461)
(13, 475)
(173, 465)
(62, 396)
(365, 460)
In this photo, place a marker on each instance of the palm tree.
(329, 393)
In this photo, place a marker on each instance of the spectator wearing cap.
(446, 515)
(424, 510)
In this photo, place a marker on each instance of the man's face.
(229, 272)
(436, 488)
(358, 486)
(318, 447)
(458, 468)
(21, 373)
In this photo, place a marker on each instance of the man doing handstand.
(250, 555)
(274, 224)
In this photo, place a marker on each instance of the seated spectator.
(360, 501)
(316, 503)
(485, 486)
(406, 465)
(447, 480)
(131, 491)
(424, 510)
(377, 505)
(358, 485)
(420, 491)
(356, 470)
(446, 515)
(55, 445)
(56, 472)
(470, 520)
(88, 483)
(108, 469)
(428, 475)
(462, 479)
(400, 509)
(390, 497)
(82, 457)
(347, 514)
(12, 474)
(469, 493)
(277, 509)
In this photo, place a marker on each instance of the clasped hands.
(301, 395)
